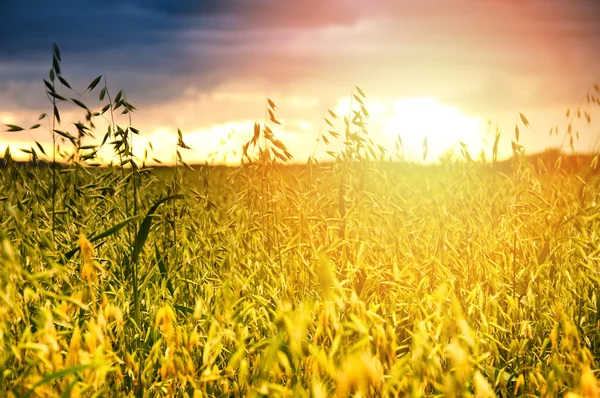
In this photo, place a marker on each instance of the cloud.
(193, 64)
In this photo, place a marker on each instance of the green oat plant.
(366, 275)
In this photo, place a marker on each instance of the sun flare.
(444, 126)
(418, 118)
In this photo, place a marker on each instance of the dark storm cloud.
(80, 28)
(139, 45)
(29, 27)
(154, 48)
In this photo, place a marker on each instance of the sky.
(441, 69)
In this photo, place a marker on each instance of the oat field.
(357, 277)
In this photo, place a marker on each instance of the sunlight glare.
(415, 118)
(444, 125)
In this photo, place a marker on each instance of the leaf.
(58, 375)
(495, 150)
(48, 85)
(517, 132)
(364, 111)
(543, 254)
(271, 103)
(256, 132)
(79, 104)
(357, 98)
(106, 136)
(56, 51)
(66, 135)
(425, 148)
(102, 93)
(163, 269)
(35, 126)
(41, 148)
(118, 98)
(12, 127)
(332, 113)
(279, 155)
(94, 83)
(56, 114)
(112, 230)
(64, 82)
(558, 163)
(524, 119)
(184, 309)
(55, 65)
(144, 230)
(43, 115)
(360, 91)
(57, 96)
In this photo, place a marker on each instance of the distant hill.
(548, 158)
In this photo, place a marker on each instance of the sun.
(444, 127)
(415, 119)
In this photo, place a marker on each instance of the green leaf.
(163, 269)
(56, 114)
(79, 104)
(55, 65)
(57, 96)
(56, 51)
(48, 85)
(184, 309)
(105, 138)
(41, 148)
(118, 98)
(94, 83)
(58, 375)
(112, 230)
(66, 135)
(64, 82)
(12, 127)
(144, 230)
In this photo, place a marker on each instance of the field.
(360, 277)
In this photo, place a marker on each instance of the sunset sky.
(439, 69)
